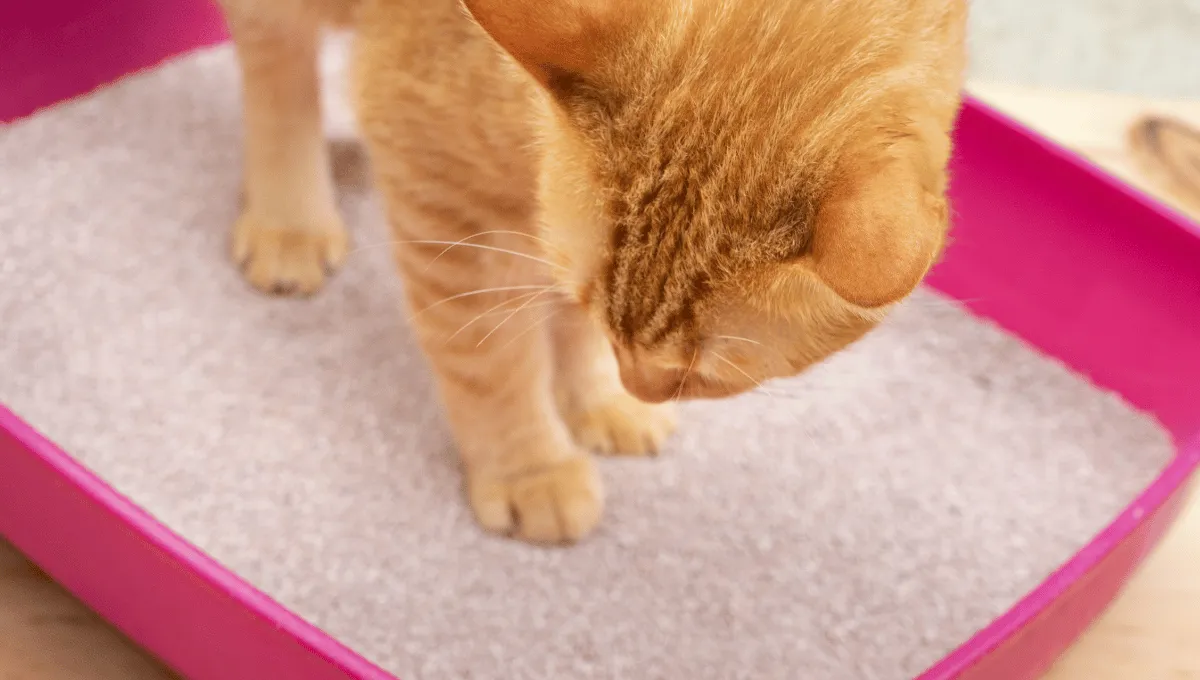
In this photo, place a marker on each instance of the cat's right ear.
(557, 41)
(878, 235)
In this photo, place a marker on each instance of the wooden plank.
(45, 634)
(1097, 125)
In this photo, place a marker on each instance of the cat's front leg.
(526, 477)
(289, 236)
(602, 415)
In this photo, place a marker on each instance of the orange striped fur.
(625, 202)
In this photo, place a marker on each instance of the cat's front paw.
(554, 504)
(287, 259)
(620, 424)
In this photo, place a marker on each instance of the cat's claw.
(556, 504)
(621, 425)
(288, 260)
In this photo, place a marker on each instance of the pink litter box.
(1051, 249)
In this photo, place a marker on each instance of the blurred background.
(1139, 47)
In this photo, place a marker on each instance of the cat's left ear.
(557, 41)
(878, 235)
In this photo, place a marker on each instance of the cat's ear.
(557, 41)
(878, 235)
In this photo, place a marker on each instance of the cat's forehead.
(728, 173)
(740, 88)
(737, 118)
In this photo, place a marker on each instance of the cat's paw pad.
(285, 259)
(554, 504)
(621, 425)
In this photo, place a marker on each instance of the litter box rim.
(80, 547)
(1026, 640)
(100, 545)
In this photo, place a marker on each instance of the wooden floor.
(1152, 633)
(47, 635)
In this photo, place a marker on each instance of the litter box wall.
(1053, 250)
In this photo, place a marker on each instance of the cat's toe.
(287, 259)
(622, 425)
(556, 504)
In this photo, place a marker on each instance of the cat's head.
(737, 190)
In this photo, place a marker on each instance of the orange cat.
(604, 205)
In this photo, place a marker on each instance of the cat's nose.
(650, 383)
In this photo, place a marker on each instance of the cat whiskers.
(939, 302)
(495, 232)
(479, 246)
(483, 291)
(508, 318)
(686, 374)
(450, 245)
(494, 309)
(758, 385)
(776, 394)
(737, 338)
(536, 324)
